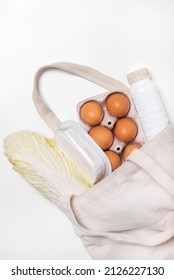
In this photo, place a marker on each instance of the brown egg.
(125, 130)
(118, 105)
(114, 159)
(102, 136)
(91, 113)
(129, 148)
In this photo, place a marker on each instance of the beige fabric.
(130, 213)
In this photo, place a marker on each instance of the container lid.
(138, 75)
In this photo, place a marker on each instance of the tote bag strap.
(79, 70)
(153, 169)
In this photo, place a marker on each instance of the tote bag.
(130, 213)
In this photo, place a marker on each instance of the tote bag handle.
(153, 169)
(79, 70)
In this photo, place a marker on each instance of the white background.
(113, 36)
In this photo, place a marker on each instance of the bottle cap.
(138, 75)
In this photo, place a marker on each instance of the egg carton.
(109, 121)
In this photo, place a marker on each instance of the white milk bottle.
(148, 102)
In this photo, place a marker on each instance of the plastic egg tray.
(109, 121)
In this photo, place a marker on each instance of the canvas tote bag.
(130, 213)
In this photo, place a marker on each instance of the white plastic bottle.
(148, 102)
